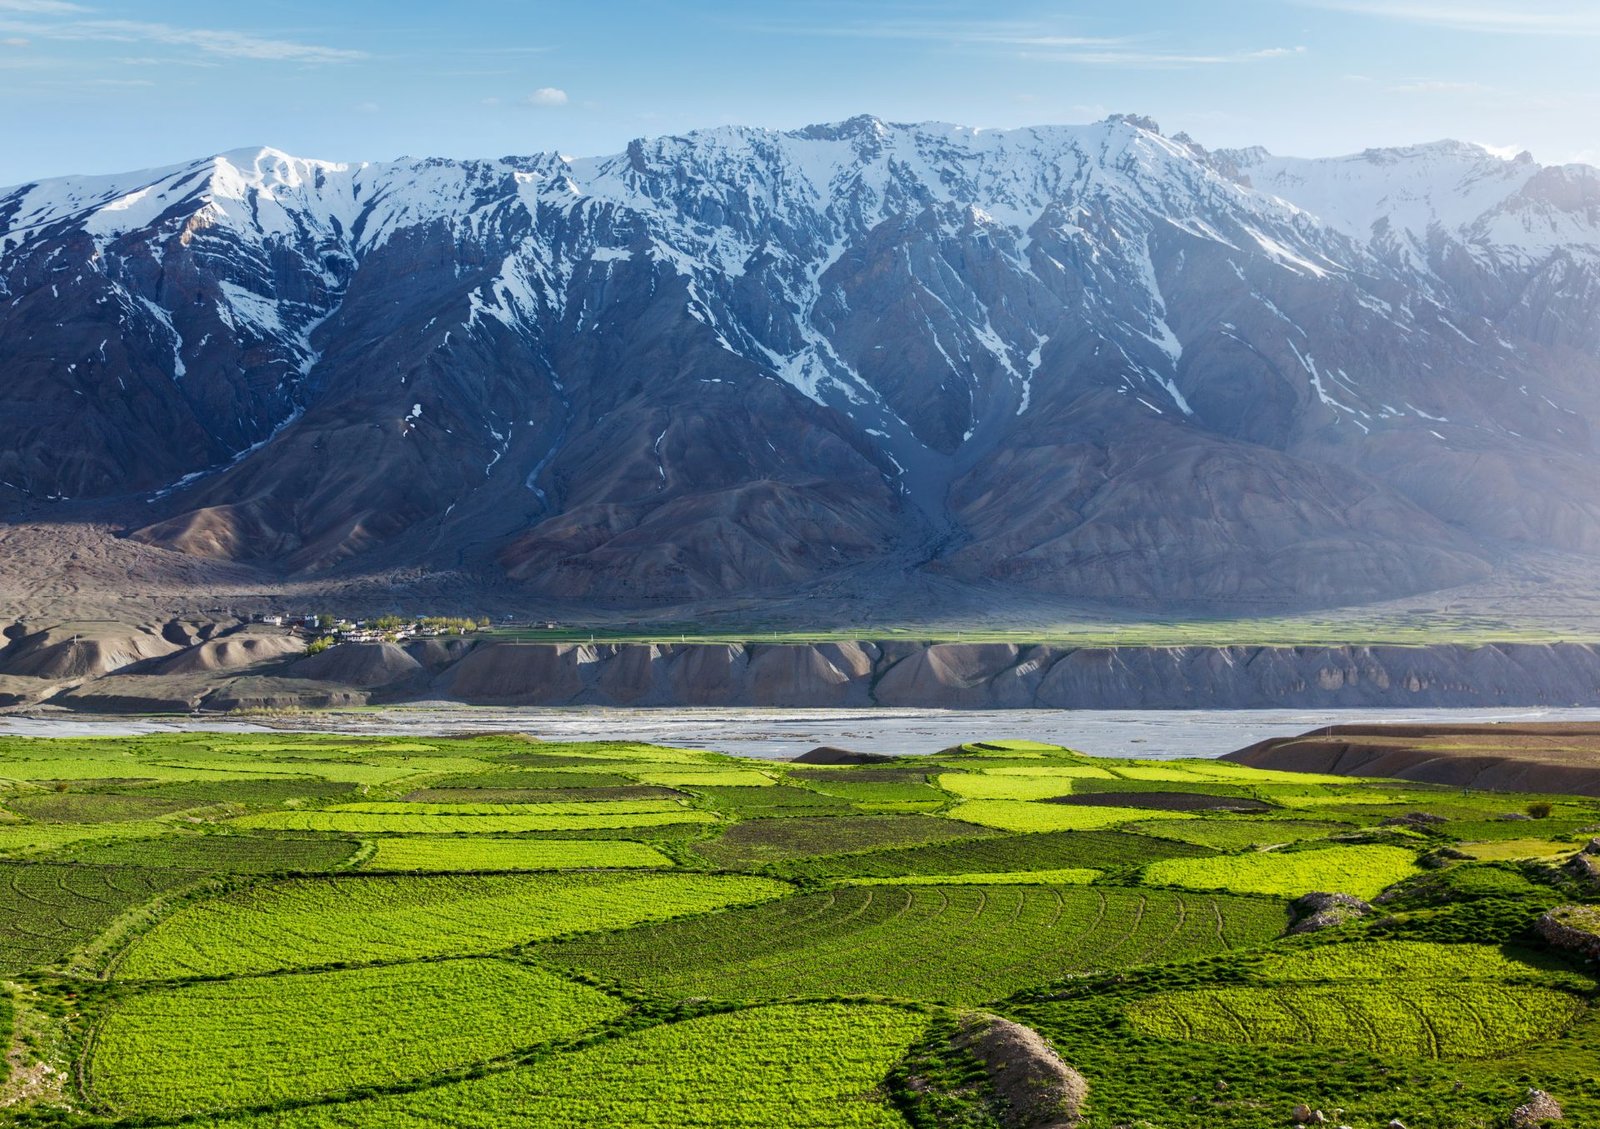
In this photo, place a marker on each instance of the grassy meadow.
(293, 931)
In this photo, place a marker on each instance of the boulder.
(1315, 912)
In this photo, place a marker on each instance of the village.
(327, 630)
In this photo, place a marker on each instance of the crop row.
(782, 840)
(959, 944)
(49, 909)
(1100, 850)
(305, 923)
(227, 854)
(1421, 1020)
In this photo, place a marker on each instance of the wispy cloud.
(80, 25)
(1524, 17)
(1436, 86)
(1162, 60)
(1002, 33)
(1030, 40)
(41, 7)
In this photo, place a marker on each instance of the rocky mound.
(1040, 1091)
(366, 665)
(1536, 757)
(232, 652)
(18, 691)
(1573, 928)
(1316, 912)
(827, 754)
(81, 650)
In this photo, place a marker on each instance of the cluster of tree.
(460, 625)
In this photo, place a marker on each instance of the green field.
(957, 944)
(1437, 1020)
(312, 931)
(308, 923)
(49, 909)
(415, 852)
(255, 1040)
(1364, 871)
(816, 1066)
(388, 822)
(1017, 815)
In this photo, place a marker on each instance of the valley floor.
(296, 929)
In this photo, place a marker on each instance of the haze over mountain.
(1087, 362)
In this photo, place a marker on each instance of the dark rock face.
(1521, 757)
(1092, 361)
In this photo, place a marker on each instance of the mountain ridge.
(1086, 360)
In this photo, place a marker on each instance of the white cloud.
(548, 96)
(1525, 17)
(14, 41)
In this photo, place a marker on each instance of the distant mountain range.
(1092, 361)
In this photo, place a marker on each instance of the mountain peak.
(854, 128)
(1137, 121)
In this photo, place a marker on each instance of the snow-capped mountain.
(1093, 360)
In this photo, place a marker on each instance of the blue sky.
(108, 85)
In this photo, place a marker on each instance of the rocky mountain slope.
(179, 667)
(1095, 362)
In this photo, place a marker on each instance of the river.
(779, 734)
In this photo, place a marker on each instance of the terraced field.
(1363, 871)
(414, 852)
(1431, 1020)
(957, 944)
(390, 822)
(228, 854)
(306, 931)
(816, 1066)
(1099, 850)
(1424, 999)
(263, 1040)
(1236, 834)
(781, 840)
(1016, 815)
(308, 923)
(49, 909)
